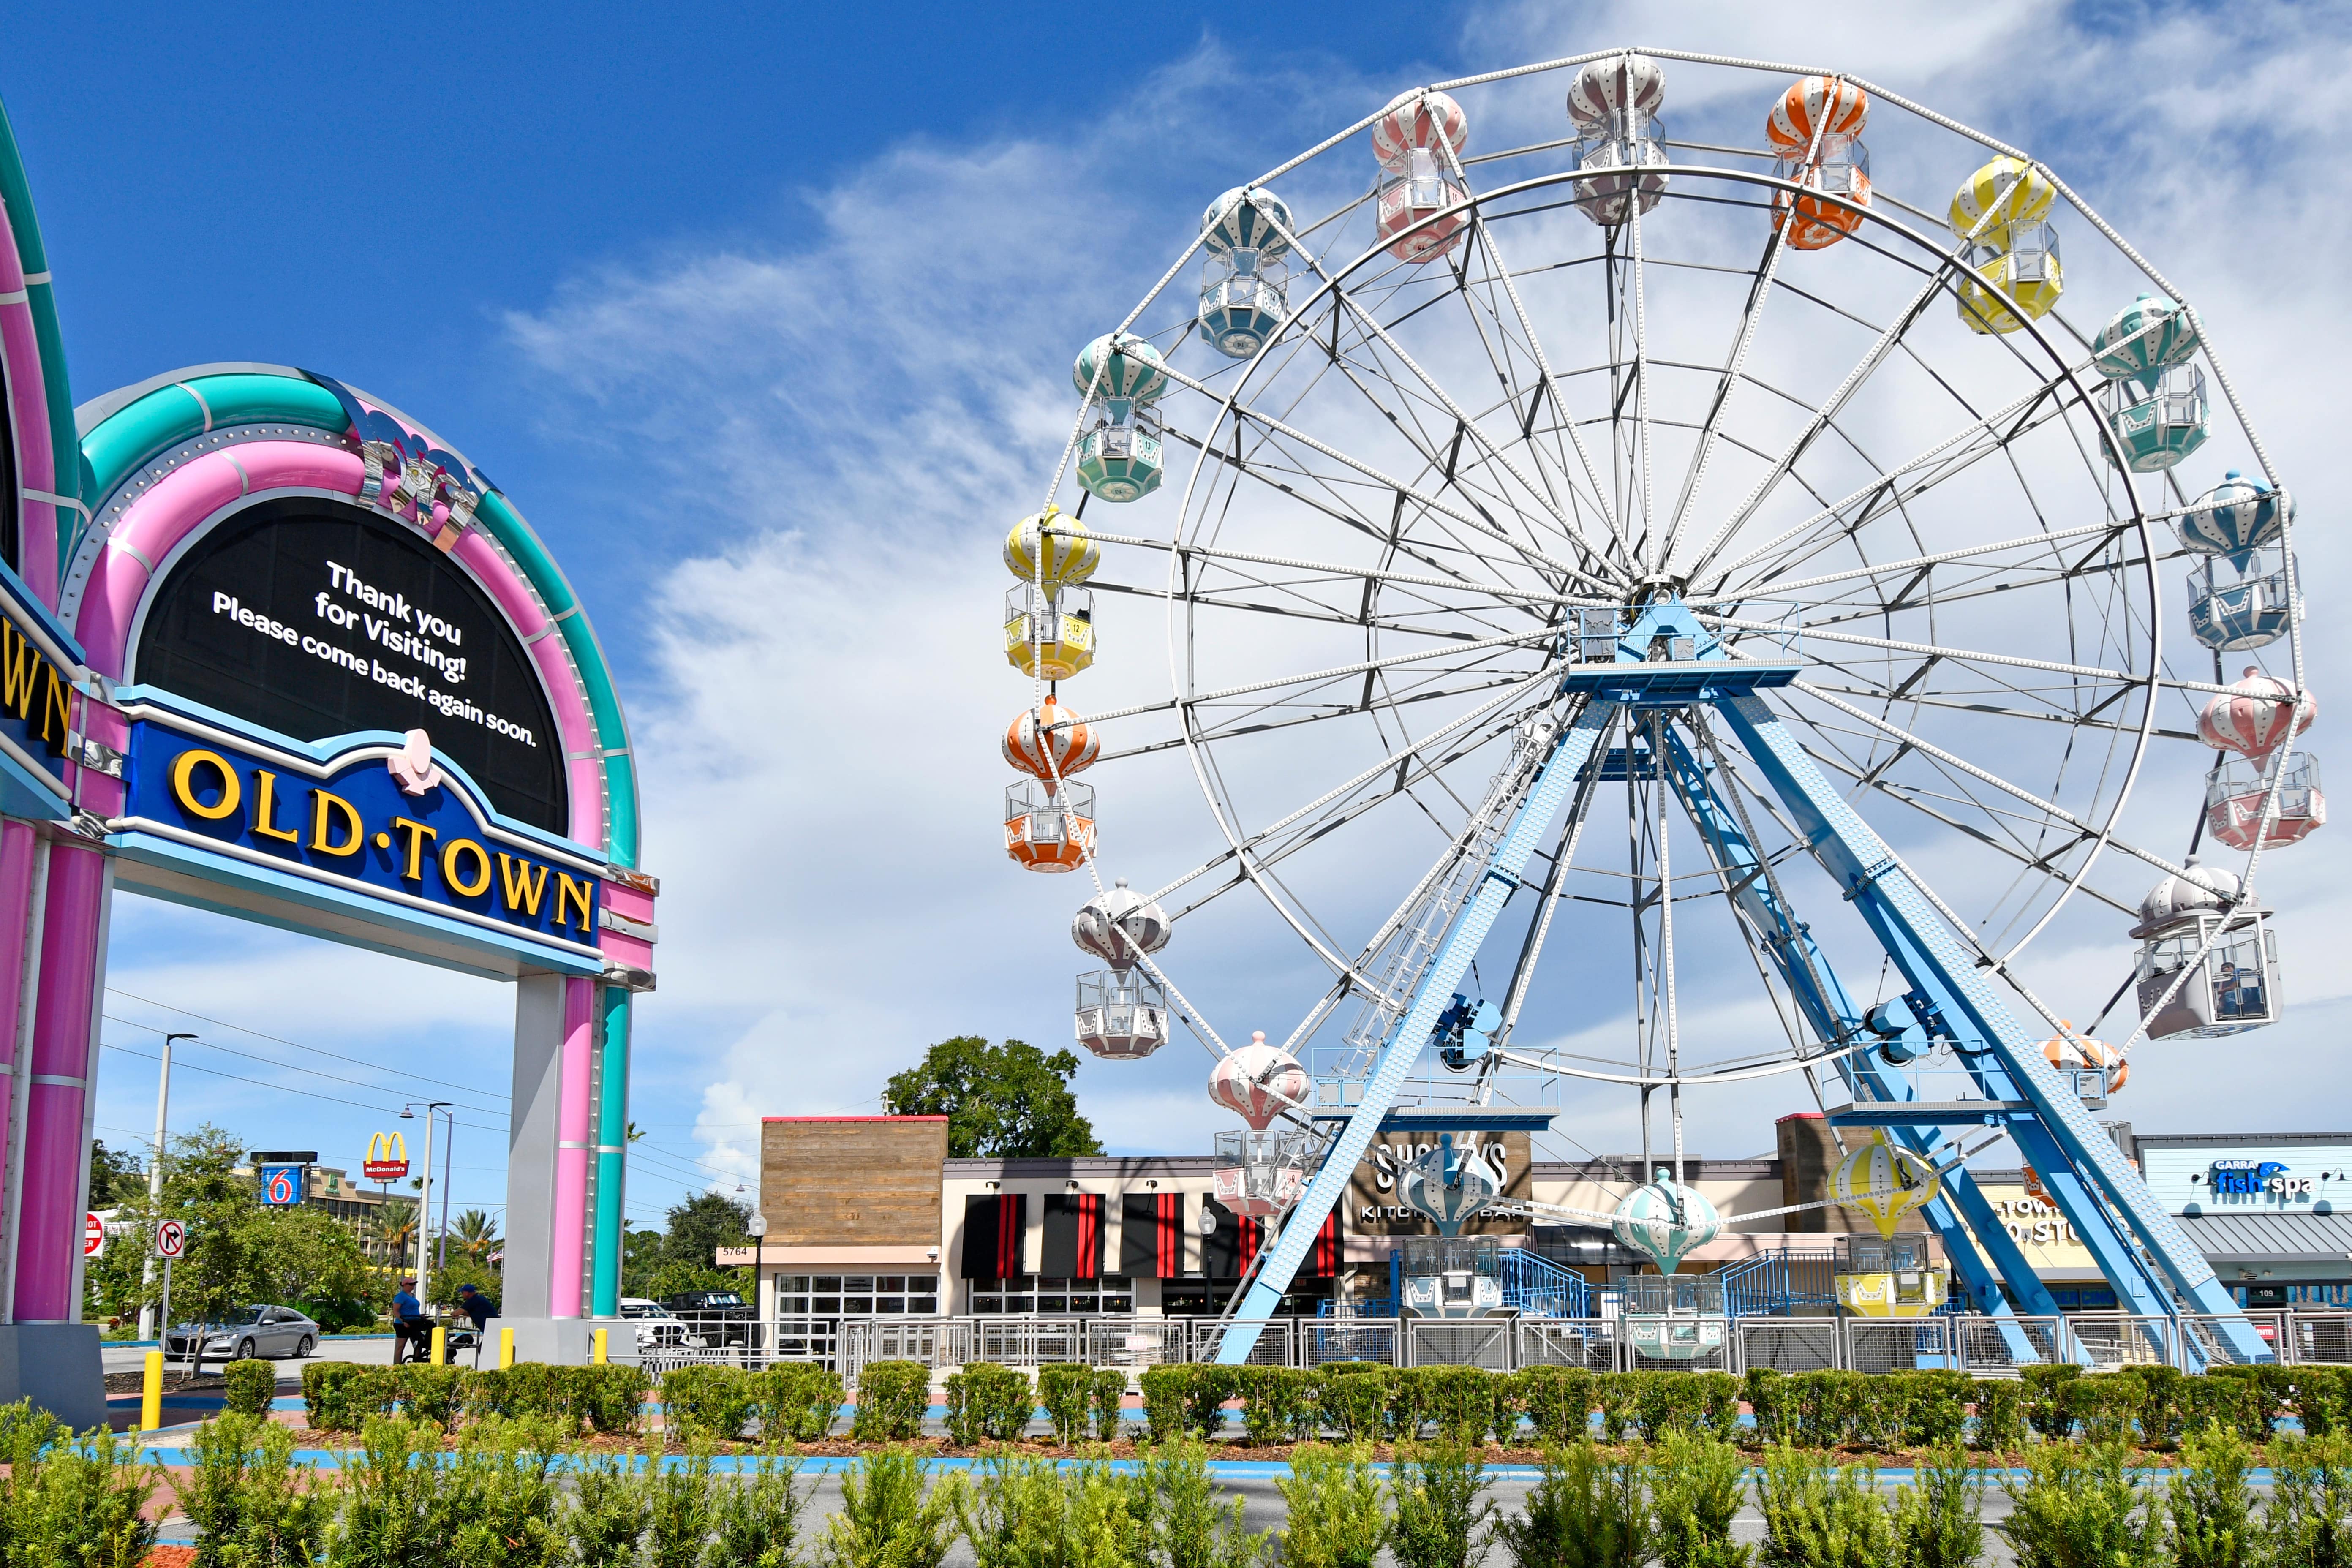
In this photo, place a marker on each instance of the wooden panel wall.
(853, 1182)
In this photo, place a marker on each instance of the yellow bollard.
(599, 1355)
(440, 1345)
(150, 1394)
(506, 1348)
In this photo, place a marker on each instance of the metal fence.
(1986, 1346)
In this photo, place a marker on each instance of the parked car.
(714, 1316)
(657, 1329)
(246, 1333)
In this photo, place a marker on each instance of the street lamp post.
(147, 1324)
(424, 1198)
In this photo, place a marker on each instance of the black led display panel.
(315, 619)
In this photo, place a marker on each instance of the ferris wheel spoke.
(1478, 526)
(1991, 424)
(2101, 533)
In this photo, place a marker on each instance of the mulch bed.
(173, 1382)
(169, 1557)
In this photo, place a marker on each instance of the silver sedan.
(247, 1332)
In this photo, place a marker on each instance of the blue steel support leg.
(1806, 971)
(2092, 1177)
(1552, 782)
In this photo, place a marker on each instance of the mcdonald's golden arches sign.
(387, 1159)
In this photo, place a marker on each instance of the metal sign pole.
(163, 1333)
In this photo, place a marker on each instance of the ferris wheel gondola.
(1665, 603)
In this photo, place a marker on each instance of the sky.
(762, 318)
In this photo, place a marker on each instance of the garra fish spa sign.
(378, 820)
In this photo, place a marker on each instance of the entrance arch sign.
(346, 691)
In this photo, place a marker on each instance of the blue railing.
(1767, 1285)
(1538, 1288)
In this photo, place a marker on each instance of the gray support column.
(532, 1137)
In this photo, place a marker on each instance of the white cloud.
(843, 413)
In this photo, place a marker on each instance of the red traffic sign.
(93, 1235)
(171, 1238)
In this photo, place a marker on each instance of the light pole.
(449, 1156)
(424, 1198)
(147, 1323)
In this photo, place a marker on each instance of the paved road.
(372, 1350)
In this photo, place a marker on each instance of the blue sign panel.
(37, 704)
(353, 823)
(281, 1186)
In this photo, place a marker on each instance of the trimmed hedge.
(338, 1396)
(988, 1404)
(250, 1386)
(892, 1397)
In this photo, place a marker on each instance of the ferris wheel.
(1601, 566)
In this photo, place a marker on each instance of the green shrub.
(1829, 1406)
(1881, 1409)
(1188, 1523)
(1461, 1402)
(248, 1386)
(430, 1393)
(1587, 1511)
(1277, 1404)
(889, 1518)
(1772, 1400)
(252, 1506)
(1066, 1391)
(2231, 1402)
(1663, 1402)
(892, 1396)
(2208, 1506)
(1335, 1517)
(1695, 1494)
(2000, 1415)
(798, 1402)
(1556, 1399)
(2045, 1410)
(2103, 1406)
(2159, 1412)
(1030, 1513)
(1352, 1397)
(1937, 1413)
(612, 1398)
(1109, 1403)
(326, 1395)
(681, 1508)
(1206, 1394)
(2080, 1506)
(74, 1500)
(606, 1511)
(1718, 1404)
(1940, 1521)
(710, 1403)
(1164, 1390)
(1408, 1411)
(389, 1499)
(498, 1497)
(758, 1518)
(1443, 1516)
(1819, 1515)
(1613, 1394)
(988, 1404)
(2308, 1522)
(2323, 1399)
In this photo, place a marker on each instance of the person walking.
(411, 1328)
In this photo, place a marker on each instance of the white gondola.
(1675, 1317)
(2235, 987)
(1449, 1276)
(1049, 829)
(2156, 422)
(1262, 1173)
(1050, 637)
(1621, 161)
(1121, 1017)
(2241, 806)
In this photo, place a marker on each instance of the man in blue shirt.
(410, 1327)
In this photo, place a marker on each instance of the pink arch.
(156, 523)
(29, 407)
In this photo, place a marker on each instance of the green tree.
(1011, 1102)
(694, 1230)
(114, 1178)
(476, 1234)
(641, 1255)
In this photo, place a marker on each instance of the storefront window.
(1112, 1295)
(856, 1295)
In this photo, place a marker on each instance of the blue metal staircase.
(1774, 1284)
(1535, 1286)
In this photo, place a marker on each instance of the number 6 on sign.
(171, 1238)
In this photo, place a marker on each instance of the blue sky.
(763, 319)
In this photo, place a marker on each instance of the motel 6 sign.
(387, 1157)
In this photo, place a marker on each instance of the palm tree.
(477, 1234)
(395, 1231)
